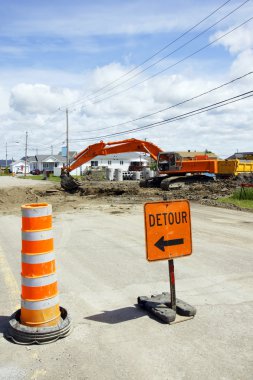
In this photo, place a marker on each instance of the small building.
(18, 167)
(45, 162)
(40, 162)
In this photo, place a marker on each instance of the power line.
(176, 63)
(152, 56)
(171, 53)
(178, 117)
(164, 49)
(174, 105)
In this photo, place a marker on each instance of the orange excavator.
(171, 167)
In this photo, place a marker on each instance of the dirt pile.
(110, 193)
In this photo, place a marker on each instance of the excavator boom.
(114, 147)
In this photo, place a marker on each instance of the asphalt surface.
(102, 270)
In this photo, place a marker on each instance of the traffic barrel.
(39, 296)
(40, 312)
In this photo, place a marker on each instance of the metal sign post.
(173, 305)
(168, 236)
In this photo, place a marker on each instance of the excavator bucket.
(69, 184)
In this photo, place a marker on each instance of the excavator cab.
(169, 161)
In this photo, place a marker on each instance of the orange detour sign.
(168, 230)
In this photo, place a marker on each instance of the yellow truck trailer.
(234, 167)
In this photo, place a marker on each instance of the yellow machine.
(234, 167)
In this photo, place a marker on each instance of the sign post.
(172, 285)
(168, 236)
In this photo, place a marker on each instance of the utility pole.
(67, 136)
(6, 156)
(52, 152)
(26, 138)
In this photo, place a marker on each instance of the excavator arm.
(103, 149)
(114, 147)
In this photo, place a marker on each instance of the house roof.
(44, 157)
(18, 162)
(242, 155)
(71, 153)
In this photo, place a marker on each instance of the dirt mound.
(110, 188)
(13, 198)
(98, 193)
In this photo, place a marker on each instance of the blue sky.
(73, 36)
(53, 53)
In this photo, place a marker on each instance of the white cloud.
(4, 100)
(243, 63)
(39, 98)
(30, 96)
(222, 131)
(238, 41)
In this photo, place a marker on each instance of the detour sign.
(168, 230)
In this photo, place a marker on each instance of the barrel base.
(25, 335)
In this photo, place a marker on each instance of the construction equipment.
(172, 167)
(129, 145)
(234, 167)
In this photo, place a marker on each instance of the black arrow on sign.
(161, 243)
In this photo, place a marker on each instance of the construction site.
(126, 190)
(102, 271)
(95, 286)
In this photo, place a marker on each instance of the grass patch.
(41, 177)
(242, 203)
(245, 194)
(53, 178)
(246, 200)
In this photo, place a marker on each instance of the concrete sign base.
(160, 306)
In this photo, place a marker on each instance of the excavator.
(171, 166)
(102, 148)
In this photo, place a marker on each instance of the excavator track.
(151, 182)
(181, 181)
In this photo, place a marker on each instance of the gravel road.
(102, 270)
(6, 182)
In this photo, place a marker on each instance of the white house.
(42, 162)
(46, 162)
(18, 167)
(113, 161)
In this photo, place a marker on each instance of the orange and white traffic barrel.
(40, 308)
(39, 296)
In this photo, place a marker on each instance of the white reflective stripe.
(35, 212)
(39, 305)
(38, 281)
(37, 235)
(37, 259)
